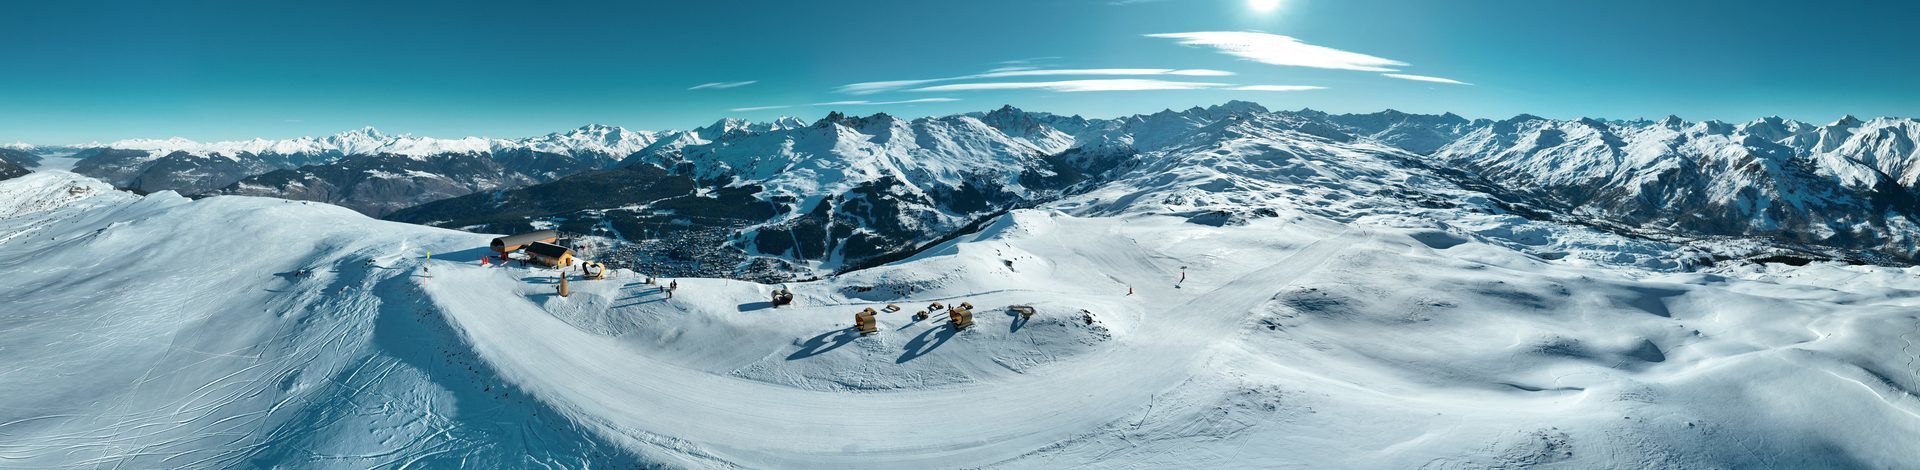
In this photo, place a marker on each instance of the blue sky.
(105, 70)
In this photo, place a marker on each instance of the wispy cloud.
(722, 85)
(868, 88)
(758, 108)
(1283, 50)
(846, 103)
(1030, 60)
(1425, 78)
(874, 103)
(1116, 84)
(1277, 88)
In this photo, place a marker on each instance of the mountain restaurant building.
(549, 254)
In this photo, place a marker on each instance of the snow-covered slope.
(162, 332)
(848, 189)
(1259, 165)
(839, 192)
(157, 331)
(1847, 185)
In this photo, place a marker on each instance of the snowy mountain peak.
(599, 129)
(788, 122)
(1006, 109)
(363, 133)
(833, 117)
(1240, 107)
(1523, 117)
(725, 125)
(1846, 121)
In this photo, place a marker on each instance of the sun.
(1263, 6)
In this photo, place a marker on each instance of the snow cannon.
(865, 322)
(961, 318)
(782, 297)
(1025, 311)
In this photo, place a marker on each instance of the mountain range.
(1229, 284)
(790, 198)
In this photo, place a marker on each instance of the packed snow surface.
(157, 331)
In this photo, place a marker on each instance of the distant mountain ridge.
(364, 169)
(849, 188)
(821, 196)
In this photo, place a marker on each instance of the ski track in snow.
(721, 406)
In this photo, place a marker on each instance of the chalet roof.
(524, 238)
(547, 249)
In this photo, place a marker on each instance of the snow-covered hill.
(361, 168)
(817, 198)
(847, 191)
(1849, 184)
(158, 331)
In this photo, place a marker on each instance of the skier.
(486, 261)
(1129, 290)
(672, 286)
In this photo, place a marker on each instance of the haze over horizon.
(218, 70)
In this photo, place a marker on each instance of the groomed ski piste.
(161, 332)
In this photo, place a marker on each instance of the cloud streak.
(875, 103)
(846, 103)
(1276, 49)
(1112, 84)
(868, 88)
(1277, 88)
(1074, 86)
(1425, 78)
(721, 85)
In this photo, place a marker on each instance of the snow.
(157, 331)
(609, 140)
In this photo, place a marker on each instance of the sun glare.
(1263, 6)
